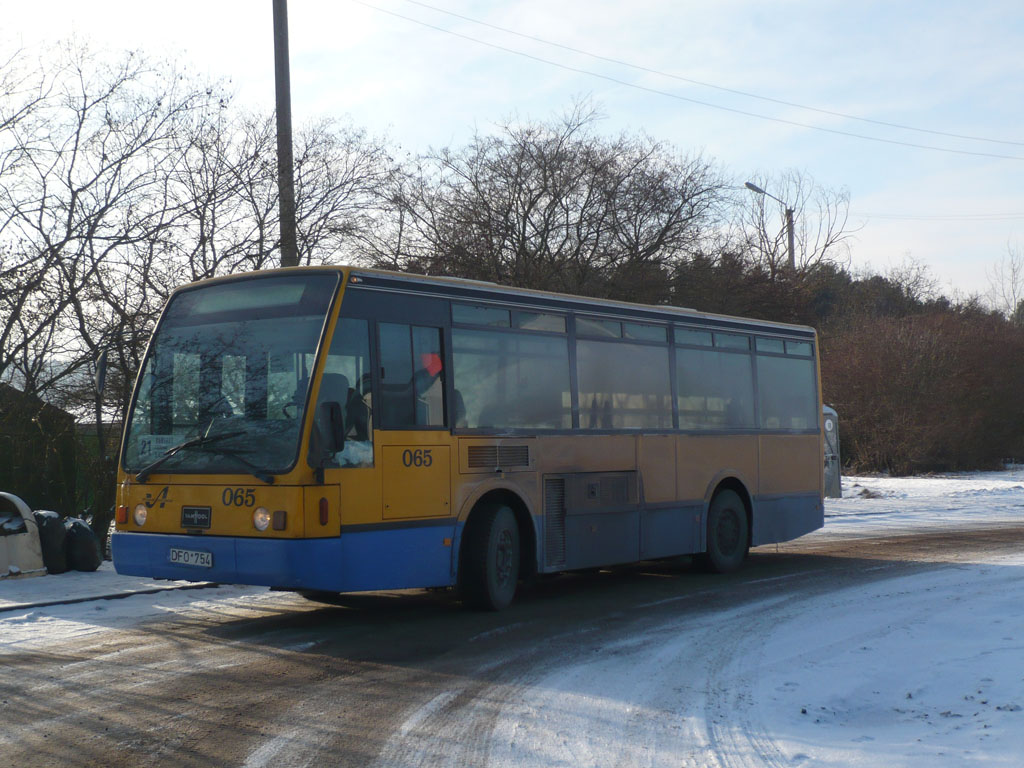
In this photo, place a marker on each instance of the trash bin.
(833, 475)
(20, 553)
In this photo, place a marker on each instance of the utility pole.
(285, 173)
(789, 230)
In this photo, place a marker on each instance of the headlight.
(261, 518)
(140, 514)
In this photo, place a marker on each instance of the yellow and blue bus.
(340, 429)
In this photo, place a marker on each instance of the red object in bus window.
(431, 363)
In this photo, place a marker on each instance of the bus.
(339, 429)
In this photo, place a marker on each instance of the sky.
(820, 78)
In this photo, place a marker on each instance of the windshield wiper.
(254, 469)
(146, 471)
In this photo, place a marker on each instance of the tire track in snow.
(739, 736)
(576, 699)
(640, 690)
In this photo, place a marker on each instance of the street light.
(789, 220)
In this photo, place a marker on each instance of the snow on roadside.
(924, 669)
(74, 585)
(890, 505)
(26, 625)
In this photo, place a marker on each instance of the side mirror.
(328, 437)
(332, 426)
(101, 372)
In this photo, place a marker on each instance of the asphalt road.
(397, 679)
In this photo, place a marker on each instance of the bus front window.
(232, 357)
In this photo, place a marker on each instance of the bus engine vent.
(498, 456)
(554, 521)
(513, 455)
(483, 456)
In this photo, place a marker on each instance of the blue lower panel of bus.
(396, 558)
(785, 517)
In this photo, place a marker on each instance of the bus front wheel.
(727, 533)
(490, 566)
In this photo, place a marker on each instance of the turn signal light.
(280, 520)
(122, 515)
(323, 511)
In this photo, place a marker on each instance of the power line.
(965, 217)
(748, 94)
(667, 94)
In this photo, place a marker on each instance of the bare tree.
(556, 206)
(821, 223)
(341, 180)
(93, 187)
(1006, 284)
(226, 186)
(24, 317)
(84, 197)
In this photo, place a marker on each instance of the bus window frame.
(306, 426)
(378, 384)
(513, 329)
(622, 338)
(787, 355)
(570, 308)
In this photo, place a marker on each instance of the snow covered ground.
(923, 669)
(873, 505)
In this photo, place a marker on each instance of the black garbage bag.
(82, 545)
(51, 539)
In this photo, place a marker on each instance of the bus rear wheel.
(490, 565)
(727, 533)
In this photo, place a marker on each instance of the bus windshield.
(230, 362)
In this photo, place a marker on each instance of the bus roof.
(479, 290)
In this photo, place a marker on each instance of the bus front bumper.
(347, 563)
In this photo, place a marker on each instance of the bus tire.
(728, 534)
(490, 566)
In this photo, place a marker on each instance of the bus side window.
(412, 376)
(788, 392)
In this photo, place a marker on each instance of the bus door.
(414, 441)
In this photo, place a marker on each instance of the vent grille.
(494, 456)
(514, 455)
(554, 521)
(483, 456)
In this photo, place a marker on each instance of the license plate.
(191, 557)
(195, 517)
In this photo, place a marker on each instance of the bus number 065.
(238, 497)
(417, 458)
